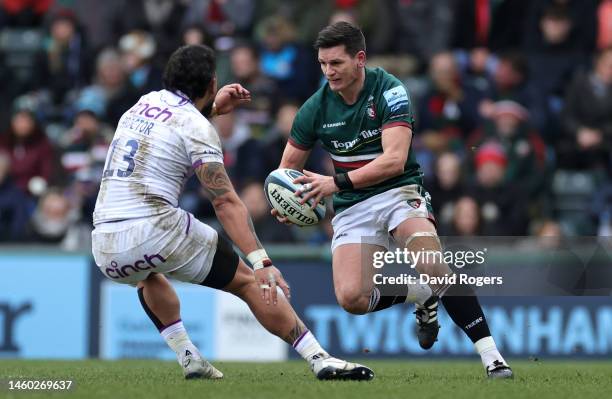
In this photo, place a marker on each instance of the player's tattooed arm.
(252, 229)
(214, 179)
(230, 210)
(297, 330)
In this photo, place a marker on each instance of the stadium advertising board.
(219, 324)
(564, 326)
(44, 305)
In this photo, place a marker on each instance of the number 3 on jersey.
(129, 158)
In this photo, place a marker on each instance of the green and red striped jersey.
(352, 133)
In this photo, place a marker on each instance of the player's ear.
(361, 58)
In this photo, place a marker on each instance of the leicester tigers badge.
(370, 108)
(415, 203)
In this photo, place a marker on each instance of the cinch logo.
(150, 112)
(335, 124)
(121, 272)
(290, 210)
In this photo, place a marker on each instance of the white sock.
(488, 352)
(177, 339)
(418, 293)
(308, 346)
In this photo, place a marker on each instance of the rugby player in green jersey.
(363, 117)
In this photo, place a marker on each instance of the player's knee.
(353, 301)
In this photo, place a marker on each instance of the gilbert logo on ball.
(279, 190)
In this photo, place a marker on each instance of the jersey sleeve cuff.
(395, 124)
(206, 159)
(298, 145)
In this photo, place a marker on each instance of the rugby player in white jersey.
(141, 237)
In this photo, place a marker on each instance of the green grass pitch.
(394, 379)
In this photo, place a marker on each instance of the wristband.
(343, 181)
(259, 259)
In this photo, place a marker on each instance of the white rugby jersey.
(157, 144)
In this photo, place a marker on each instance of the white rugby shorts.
(174, 243)
(372, 220)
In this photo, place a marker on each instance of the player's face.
(340, 69)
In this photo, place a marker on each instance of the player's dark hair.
(190, 69)
(341, 33)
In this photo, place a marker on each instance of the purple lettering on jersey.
(151, 112)
(148, 259)
(148, 113)
(116, 272)
(165, 112)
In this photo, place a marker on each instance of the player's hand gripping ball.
(280, 193)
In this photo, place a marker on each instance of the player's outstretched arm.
(235, 219)
(229, 97)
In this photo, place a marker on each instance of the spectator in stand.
(449, 110)
(466, 218)
(510, 82)
(495, 24)
(111, 93)
(244, 62)
(13, 204)
(99, 21)
(242, 154)
(64, 64)
(374, 17)
(503, 204)
(85, 145)
(221, 17)
(23, 13)
(421, 28)
(287, 62)
(267, 228)
(525, 150)
(56, 221)
(276, 140)
(445, 186)
(32, 156)
(196, 34)
(587, 118)
(553, 59)
(159, 18)
(137, 52)
(582, 15)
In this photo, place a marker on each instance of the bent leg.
(459, 300)
(352, 268)
(354, 285)
(418, 235)
(159, 300)
(280, 319)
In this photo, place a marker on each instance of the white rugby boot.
(195, 366)
(326, 367)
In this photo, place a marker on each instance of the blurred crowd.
(512, 99)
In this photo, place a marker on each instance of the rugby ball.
(279, 190)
